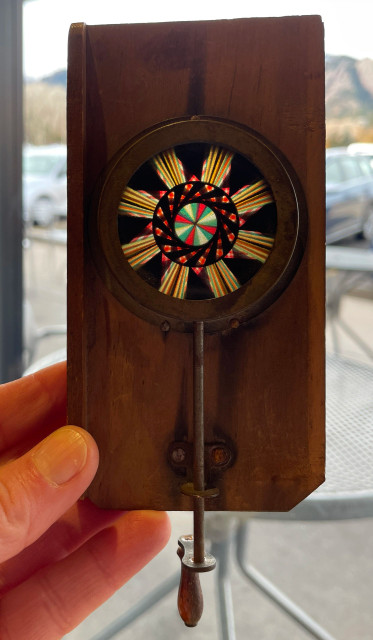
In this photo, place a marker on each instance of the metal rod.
(198, 440)
(198, 530)
(221, 550)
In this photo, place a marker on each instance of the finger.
(58, 597)
(39, 487)
(71, 531)
(36, 403)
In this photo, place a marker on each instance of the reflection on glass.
(197, 221)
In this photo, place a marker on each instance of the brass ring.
(238, 306)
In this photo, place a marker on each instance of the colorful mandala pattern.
(195, 224)
(201, 237)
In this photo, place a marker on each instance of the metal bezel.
(254, 296)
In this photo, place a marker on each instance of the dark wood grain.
(130, 384)
(190, 598)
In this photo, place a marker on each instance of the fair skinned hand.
(59, 558)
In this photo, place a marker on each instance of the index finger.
(32, 406)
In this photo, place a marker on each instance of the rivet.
(234, 323)
(220, 456)
(178, 455)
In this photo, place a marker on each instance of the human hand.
(59, 558)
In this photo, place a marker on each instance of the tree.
(44, 113)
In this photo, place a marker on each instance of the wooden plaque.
(142, 95)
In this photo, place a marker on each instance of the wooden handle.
(190, 599)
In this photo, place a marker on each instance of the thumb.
(36, 489)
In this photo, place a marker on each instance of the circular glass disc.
(195, 224)
(197, 221)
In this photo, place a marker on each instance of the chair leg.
(356, 338)
(277, 596)
(221, 551)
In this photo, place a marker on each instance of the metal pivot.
(192, 548)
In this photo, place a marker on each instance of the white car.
(361, 149)
(44, 183)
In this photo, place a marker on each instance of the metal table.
(348, 489)
(347, 268)
(346, 494)
(348, 259)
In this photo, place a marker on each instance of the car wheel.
(42, 212)
(368, 226)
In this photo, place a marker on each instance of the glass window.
(333, 171)
(62, 172)
(366, 165)
(351, 168)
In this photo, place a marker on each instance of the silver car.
(349, 195)
(44, 183)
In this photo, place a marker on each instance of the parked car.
(44, 183)
(349, 195)
(362, 149)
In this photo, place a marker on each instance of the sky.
(348, 25)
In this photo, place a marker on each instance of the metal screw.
(220, 456)
(178, 455)
(234, 323)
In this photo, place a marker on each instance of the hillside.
(348, 87)
(348, 99)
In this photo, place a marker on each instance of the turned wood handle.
(190, 599)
